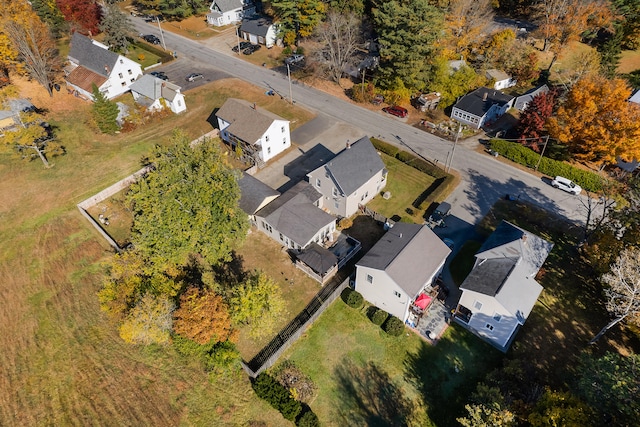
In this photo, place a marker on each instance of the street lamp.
(290, 91)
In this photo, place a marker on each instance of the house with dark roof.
(91, 62)
(295, 220)
(482, 106)
(225, 12)
(155, 94)
(500, 292)
(258, 30)
(523, 100)
(352, 178)
(258, 133)
(400, 266)
(254, 195)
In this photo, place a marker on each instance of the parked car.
(194, 76)
(159, 74)
(566, 185)
(150, 38)
(251, 49)
(294, 59)
(396, 111)
(240, 47)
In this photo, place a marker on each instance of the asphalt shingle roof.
(155, 88)
(228, 5)
(253, 193)
(247, 121)
(257, 26)
(95, 58)
(318, 258)
(476, 103)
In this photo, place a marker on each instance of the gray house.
(295, 219)
(523, 100)
(150, 91)
(501, 290)
(481, 106)
(402, 264)
(353, 177)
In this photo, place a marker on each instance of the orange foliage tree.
(202, 317)
(596, 121)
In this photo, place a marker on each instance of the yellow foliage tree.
(466, 22)
(596, 121)
(203, 317)
(149, 322)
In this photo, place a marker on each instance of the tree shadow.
(230, 273)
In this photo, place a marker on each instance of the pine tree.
(115, 25)
(104, 112)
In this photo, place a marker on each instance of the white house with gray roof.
(254, 195)
(480, 107)
(258, 30)
(91, 62)
(225, 12)
(155, 93)
(523, 101)
(294, 219)
(260, 134)
(501, 290)
(403, 263)
(353, 177)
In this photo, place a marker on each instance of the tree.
(297, 18)
(596, 122)
(452, 85)
(202, 317)
(622, 290)
(115, 25)
(408, 31)
(486, 416)
(33, 139)
(49, 13)
(149, 321)
(188, 204)
(104, 112)
(258, 304)
(466, 22)
(533, 119)
(340, 35)
(82, 15)
(627, 13)
(357, 7)
(555, 409)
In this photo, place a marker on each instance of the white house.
(225, 12)
(258, 31)
(402, 264)
(254, 195)
(91, 62)
(523, 100)
(481, 106)
(155, 93)
(500, 79)
(501, 290)
(352, 178)
(260, 134)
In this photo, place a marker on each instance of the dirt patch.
(61, 101)
(629, 61)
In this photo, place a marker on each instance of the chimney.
(348, 144)
(524, 238)
(254, 106)
(484, 97)
(106, 69)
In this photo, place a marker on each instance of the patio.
(429, 317)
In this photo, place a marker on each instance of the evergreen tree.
(104, 112)
(49, 13)
(297, 18)
(115, 25)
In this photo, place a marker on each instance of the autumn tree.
(258, 304)
(357, 7)
(556, 408)
(487, 416)
(187, 205)
(533, 120)
(33, 138)
(340, 36)
(115, 26)
(81, 15)
(149, 321)
(104, 112)
(202, 317)
(597, 123)
(452, 84)
(297, 18)
(622, 290)
(467, 22)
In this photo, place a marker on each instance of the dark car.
(240, 47)
(251, 49)
(396, 111)
(150, 38)
(194, 76)
(159, 74)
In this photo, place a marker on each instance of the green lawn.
(148, 58)
(405, 184)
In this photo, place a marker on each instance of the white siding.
(381, 292)
(124, 72)
(502, 329)
(275, 140)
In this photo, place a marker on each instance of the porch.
(428, 315)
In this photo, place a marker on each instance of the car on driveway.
(397, 111)
(294, 59)
(194, 76)
(239, 47)
(159, 74)
(251, 49)
(150, 38)
(566, 185)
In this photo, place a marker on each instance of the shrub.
(385, 147)
(267, 388)
(352, 298)
(345, 223)
(308, 419)
(393, 326)
(292, 378)
(377, 315)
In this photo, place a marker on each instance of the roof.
(258, 26)
(227, 5)
(295, 214)
(247, 121)
(155, 88)
(635, 97)
(409, 253)
(354, 166)
(21, 105)
(253, 193)
(92, 55)
(523, 100)
(5, 114)
(85, 78)
(497, 75)
(319, 259)
(456, 64)
(476, 103)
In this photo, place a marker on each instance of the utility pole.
(546, 140)
(453, 150)
(238, 38)
(161, 34)
(363, 71)
(290, 91)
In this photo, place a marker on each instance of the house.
(635, 97)
(10, 119)
(481, 106)
(523, 100)
(402, 264)
(254, 195)
(91, 62)
(258, 30)
(352, 178)
(501, 290)
(500, 79)
(155, 94)
(225, 12)
(260, 134)
(295, 220)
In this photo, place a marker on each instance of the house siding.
(286, 241)
(275, 140)
(381, 292)
(116, 85)
(467, 118)
(502, 330)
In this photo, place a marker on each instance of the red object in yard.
(423, 301)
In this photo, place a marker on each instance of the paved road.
(484, 179)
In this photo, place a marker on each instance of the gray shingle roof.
(253, 193)
(474, 102)
(523, 100)
(247, 121)
(354, 166)
(90, 56)
(409, 253)
(155, 88)
(318, 258)
(227, 5)
(257, 26)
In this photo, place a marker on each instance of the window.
(120, 75)
(268, 150)
(369, 278)
(497, 317)
(396, 293)
(123, 84)
(477, 305)
(489, 326)
(179, 103)
(132, 80)
(284, 141)
(337, 205)
(130, 72)
(121, 61)
(266, 138)
(282, 129)
(335, 192)
(281, 237)
(318, 182)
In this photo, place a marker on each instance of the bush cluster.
(518, 153)
(393, 326)
(377, 315)
(352, 298)
(268, 388)
(164, 56)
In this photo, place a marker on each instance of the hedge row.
(269, 389)
(164, 56)
(518, 153)
(389, 323)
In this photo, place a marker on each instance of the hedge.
(377, 315)
(308, 419)
(352, 298)
(164, 56)
(518, 153)
(393, 326)
(267, 388)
